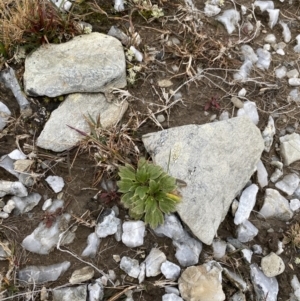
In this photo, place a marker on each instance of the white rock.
(211, 10)
(277, 164)
(268, 134)
(130, 266)
(272, 265)
(273, 17)
(237, 102)
(246, 204)
(171, 290)
(296, 287)
(264, 59)
(265, 288)
(170, 270)
(224, 116)
(47, 204)
(229, 19)
(4, 215)
(93, 242)
(246, 231)
(262, 174)
(264, 5)
(171, 297)
(294, 204)
(108, 224)
(292, 73)
(219, 248)
(96, 290)
(5, 113)
(27, 203)
(62, 4)
(242, 92)
(267, 47)
(119, 5)
(235, 279)
(257, 249)
(290, 148)
(81, 275)
(270, 38)
(9, 207)
(276, 175)
(294, 95)
(137, 54)
(288, 184)
(75, 293)
(17, 155)
(280, 52)
(244, 71)
(297, 47)
(154, 261)
(133, 233)
(247, 254)
(234, 206)
(280, 249)
(249, 54)
(142, 274)
(56, 183)
(285, 32)
(275, 206)
(239, 296)
(280, 72)
(294, 82)
(249, 110)
(13, 188)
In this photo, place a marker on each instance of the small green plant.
(148, 192)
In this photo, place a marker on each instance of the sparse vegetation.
(293, 236)
(148, 192)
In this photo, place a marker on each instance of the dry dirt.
(79, 179)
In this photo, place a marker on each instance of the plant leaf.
(139, 207)
(127, 172)
(154, 171)
(167, 183)
(142, 175)
(154, 187)
(126, 199)
(141, 191)
(125, 185)
(167, 205)
(154, 217)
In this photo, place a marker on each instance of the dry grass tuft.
(293, 236)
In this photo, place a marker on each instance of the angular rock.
(93, 243)
(275, 205)
(227, 154)
(4, 115)
(27, 203)
(294, 204)
(170, 270)
(288, 184)
(133, 233)
(154, 261)
(108, 224)
(9, 207)
(239, 296)
(77, 293)
(276, 175)
(58, 136)
(246, 204)
(14, 188)
(249, 109)
(88, 63)
(266, 289)
(82, 275)
(246, 231)
(202, 282)
(290, 148)
(130, 266)
(236, 280)
(219, 248)
(56, 183)
(171, 297)
(96, 292)
(272, 265)
(247, 255)
(42, 274)
(262, 175)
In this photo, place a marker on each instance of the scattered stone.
(137, 54)
(56, 183)
(12, 188)
(42, 274)
(276, 175)
(239, 296)
(270, 38)
(17, 155)
(234, 206)
(116, 258)
(268, 134)
(224, 116)
(171, 290)
(93, 243)
(130, 266)
(292, 73)
(294, 82)
(9, 207)
(249, 54)
(296, 287)
(107, 224)
(65, 68)
(133, 233)
(160, 118)
(154, 261)
(257, 249)
(290, 148)
(294, 95)
(297, 47)
(247, 254)
(244, 71)
(262, 175)
(27, 203)
(76, 293)
(119, 34)
(171, 297)
(211, 10)
(202, 283)
(294, 204)
(275, 206)
(285, 32)
(249, 109)
(96, 291)
(277, 164)
(288, 184)
(246, 231)
(242, 92)
(219, 248)
(236, 280)
(5, 113)
(264, 59)
(280, 72)
(226, 145)
(265, 288)
(229, 19)
(82, 275)
(4, 215)
(272, 265)
(264, 5)
(165, 83)
(170, 270)
(22, 165)
(60, 133)
(142, 274)
(47, 204)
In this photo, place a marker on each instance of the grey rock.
(249, 109)
(262, 174)
(202, 282)
(96, 291)
(170, 270)
(142, 274)
(42, 274)
(58, 136)
(246, 231)
(56, 183)
(227, 154)
(77, 293)
(171, 297)
(27, 203)
(276, 206)
(154, 261)
(93, 243)
(239, 296)
(88, 63)
(4, 115)
(13, 188)
(133, 233)
(247, 255)
(288, 184)
(119, 34)
(266, 289)
(4, 215)
(237, 102)
(171, 290)
(294, 204)
(276, 175)
(108, 224)
(130, 266)
(236, 280)
(9, 207)
(290, 148)
(82, 275)
(219, 248)
(3, 254)
(272, 265)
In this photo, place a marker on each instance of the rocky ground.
(146, 70)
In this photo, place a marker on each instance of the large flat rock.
(216, 160)
(57, 136)
(88, 63)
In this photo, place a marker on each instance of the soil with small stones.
(197, 48)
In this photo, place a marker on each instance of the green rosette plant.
(148, 192)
